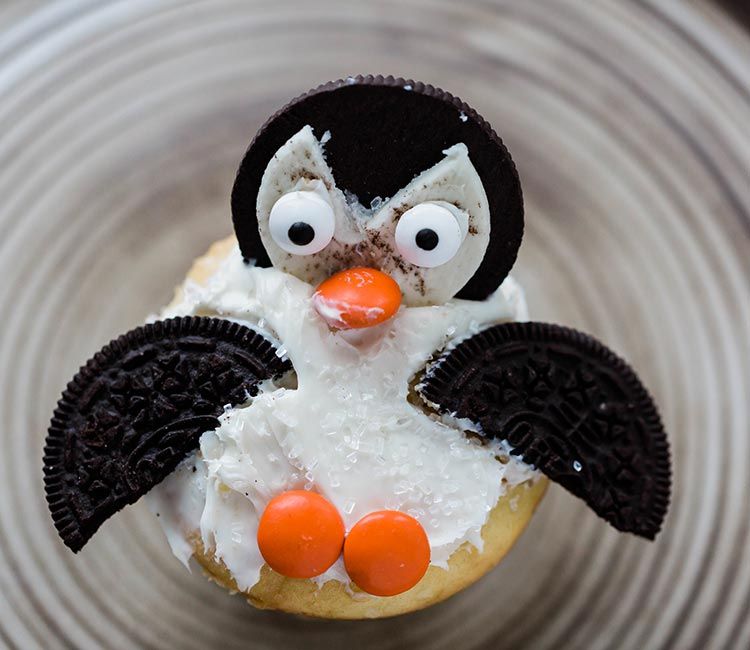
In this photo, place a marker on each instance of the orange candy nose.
(358, 297)
(300, 534)
(386, 553)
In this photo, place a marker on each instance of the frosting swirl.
(348, 428)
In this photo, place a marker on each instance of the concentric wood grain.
(122, 125)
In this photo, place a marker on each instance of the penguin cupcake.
(345, 412)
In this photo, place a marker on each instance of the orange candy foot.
(300, 534)
(386, 553)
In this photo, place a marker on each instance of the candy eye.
(428, 235)
(302, 223)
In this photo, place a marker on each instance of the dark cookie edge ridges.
(197, 327)
(507, 229)
(438, 388)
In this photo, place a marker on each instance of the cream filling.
(365, 236)
(346, 431)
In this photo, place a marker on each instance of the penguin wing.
(568, 405)
(138, 408)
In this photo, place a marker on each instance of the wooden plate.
(122, 125)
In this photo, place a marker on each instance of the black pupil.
(427, 239)
(301, 233)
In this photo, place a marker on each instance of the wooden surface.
(122, 125)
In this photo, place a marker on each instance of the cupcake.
(345, 412)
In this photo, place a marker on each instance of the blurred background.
(122, 124)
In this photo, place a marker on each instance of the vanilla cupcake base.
(335, 600)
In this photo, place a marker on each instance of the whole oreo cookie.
(137, 408)
(384, 132)
(568, 405)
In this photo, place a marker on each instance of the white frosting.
(346, 430)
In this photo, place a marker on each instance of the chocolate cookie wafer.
(569, 406)
(137, 408)
(372, 122)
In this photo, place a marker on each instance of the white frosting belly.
(346, 431)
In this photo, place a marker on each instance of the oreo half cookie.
(569, 406)
(384, 131)
(138, 407)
